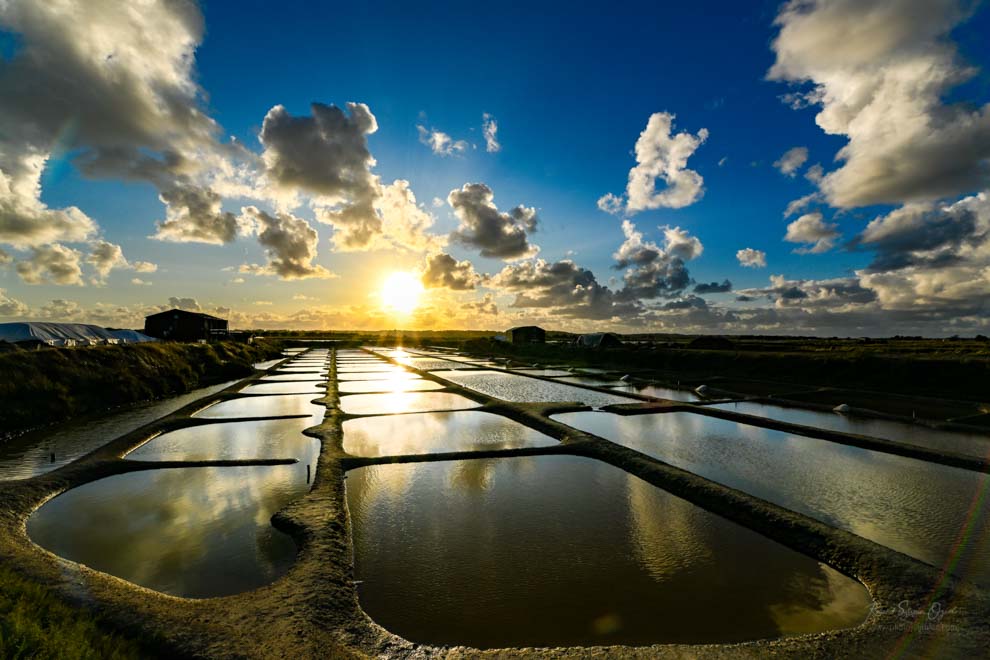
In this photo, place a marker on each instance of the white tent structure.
(66, 334)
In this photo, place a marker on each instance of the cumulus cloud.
(652, 270)
(11, 306)
(105, 256)
(831, 293)
(442, 144)
(137, 281)
(791, 161)
(563, 287)
(661, 156)
(188, 304)
(713, 287)
(194, 214)
(290, 244)
(486, 305)
(811, 228)
(53, 263)
(489, 128)
(443, 271)
(883, 89)
(611, 203)
(405, 224)
(5, 258)
(496, 234)
(750, 258)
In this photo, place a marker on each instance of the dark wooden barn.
(527, 334)
(180, 325)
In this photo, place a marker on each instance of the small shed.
(182, 325)
(599, 340)
(527, 334)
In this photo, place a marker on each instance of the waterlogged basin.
(275, 405)
(389, 385)
(403, 402)
(31, 454)
(267, 364)
(589, 380)
(313, 376)
(562, 550)
(549, 373)
(377, 366)
(659, 392)
(932, 512)
(426, 364)
(276, 438)
(377, 375)
(194, 532)
(288, 387)
(429, 433)
(510, 387)
(970, 444)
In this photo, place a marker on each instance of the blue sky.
(571, 88)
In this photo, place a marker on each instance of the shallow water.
(562, 550)
(428, 433)
(276, 438)
(314, 376)
(659, 392)
(510, 387)
(194, 532)
(549, 373)
(317, 387)
(970, 444)
(920, 509)
(267, 364)
(376, 366)
(377, 375)
(426, 364)
(403, 402)
(590, 380)
(390, 385)
(29, 455)
(275, 405)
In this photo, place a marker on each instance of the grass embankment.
(36, 624)
(930, 368)
(51, 385)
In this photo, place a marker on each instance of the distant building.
(599, 340)
(180, 325)
(527, 334)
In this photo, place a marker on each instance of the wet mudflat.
(428, 433)
(932, 512)
(510, 387)
(31, 454)
(969, 444)
(564, 551)
(266, 406)
(194, 532)
(276, 438)
(403, 402)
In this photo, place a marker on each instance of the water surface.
(403, 402)
(377, 375)
(932, 512)
(427, 433)
(30, 454)
(275, 438)
(390, 385)
(970, 444)
(266, 406)
(317, 387)
(511, 387)
(659, 392)
(562, 551)
(194, 532)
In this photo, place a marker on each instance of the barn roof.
(186, 312)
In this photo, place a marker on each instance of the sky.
(807, 167)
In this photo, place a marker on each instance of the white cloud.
(11, 306)
(811, 228)
(879, 71)
(489, 128)
(440, 143)
(751, 258)
(53, 263)
(791, 161)
(289, 242)
(443, 271)
(137, 281)
(661, 156)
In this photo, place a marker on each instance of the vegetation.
(35, 624)
(51, 385)
(944, 368)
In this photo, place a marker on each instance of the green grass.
(34, 623)
(51, 385)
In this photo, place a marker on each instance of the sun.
(401, 292)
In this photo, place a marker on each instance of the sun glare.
(401, 292)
